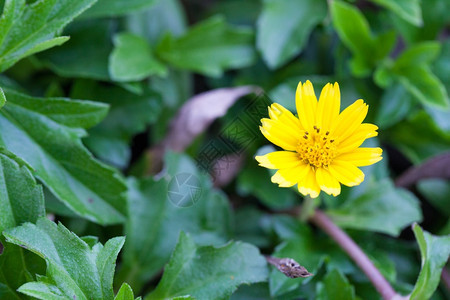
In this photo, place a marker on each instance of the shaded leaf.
(435, 252)
(110, 8)
(208, 272)
(409, 10)
(29, 28)
(283, 28)
(395, 104)
(74, 270)
(382, 208)
(209, 48)
(335, 286)
(2, 98)
(436, 191)
(93, 40)
(21, 200)
(46, 134)
(110, 139)
(132, 59)
(160, 210)
(354, 31)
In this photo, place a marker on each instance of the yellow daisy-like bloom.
(321, 145)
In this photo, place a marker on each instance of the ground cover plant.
(259, 149)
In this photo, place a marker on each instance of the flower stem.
(352, 249)
(308, 206)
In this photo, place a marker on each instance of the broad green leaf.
(435, 252)
(86, 54)
(420, 54)
(435, 18)
(354, 31)
(74, 270)
(335, 286)
(164, 16)
(208, 272)
(209, 47)
(160, 210)
(419, 138)
(424, 85)
(283, 28)
(408, 10)
(46, 134)
(436, 191)
(395, 104)
(29, 28)
(125, 293)
(132, 59)
(21, 200)
(110, 139)
(382, 208)
(110, 8)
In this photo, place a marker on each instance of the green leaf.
(419, 138)
(27, 29)
(335, 286)
(408, 10)
(435, 252)
(2, 98)
(420, 54)
(395, 104)
(125, 293)
(354, 31)
(382, 208)
(111, 8)
(424, 85)
(284, 27)
(157, 219)
(21, 200)
(209, 47)
(132, 59)
(308, 249)
(93, 40)
(436, 192)
(74, 270)
(208, 272)
(110, 139)
(46, 134)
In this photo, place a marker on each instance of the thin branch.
(359, 257)
(445, 276)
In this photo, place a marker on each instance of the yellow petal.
(346, 173)
(362, 156)
(328, 107)
(327, 182)
(350, 119)
(308, 185)
(289, 177)
(280, 134)
(306, 103)
(279, 113)
(363, 132)
(278, 160)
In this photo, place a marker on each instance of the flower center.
(317, 148)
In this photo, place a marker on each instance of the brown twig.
(445, 276)
(354, 251)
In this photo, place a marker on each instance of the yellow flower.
(322, 145)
